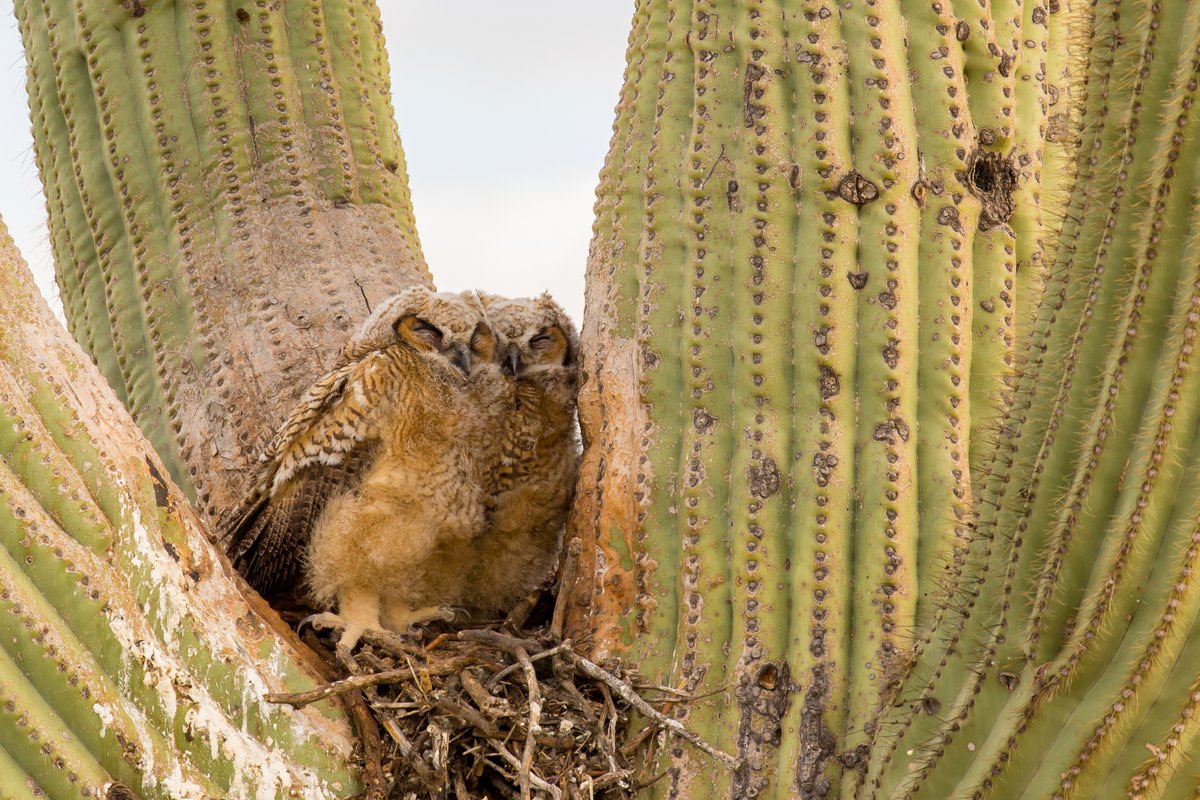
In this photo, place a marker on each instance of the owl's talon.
(324, 621)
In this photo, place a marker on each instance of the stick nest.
(507, 710)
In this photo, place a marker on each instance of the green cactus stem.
(127, 651)
(894, 462)
(227, 197)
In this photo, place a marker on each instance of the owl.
(533, 480)
(382, 469)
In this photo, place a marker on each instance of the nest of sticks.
(508, 709)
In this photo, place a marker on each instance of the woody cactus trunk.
(227, 198)
(890, 410)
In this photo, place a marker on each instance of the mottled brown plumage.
(533, 481)
(382, 468)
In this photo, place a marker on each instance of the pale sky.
(505, 112)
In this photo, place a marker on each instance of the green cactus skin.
(226, 195)
(127, 652)
(895, 470)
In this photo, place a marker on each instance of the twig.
(566, 679)
(519, 615)
(301, 699)
(626, 693)
(468, 715)
(460, 787)
(534, 778)
(487, 702)
(566, 583)
(535, 718)
(497, 639)
(494, 681)
(390, 643)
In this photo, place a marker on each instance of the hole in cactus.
(119, 791)
(992, 177)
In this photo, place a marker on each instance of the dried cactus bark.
(128, 656)
(888, 399)
(227, 196)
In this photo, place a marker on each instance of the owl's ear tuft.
(419, 333)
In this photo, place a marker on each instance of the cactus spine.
(226, 196)
(127, 653)
(894, 454)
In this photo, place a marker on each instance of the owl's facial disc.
(550, 347)
(483, 345)
(421, 334)
(425, 337)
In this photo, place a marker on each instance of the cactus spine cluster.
(226, 196)
(890, 323)
(128, 657)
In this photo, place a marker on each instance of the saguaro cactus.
(226, 195)
(128, 657)
(886, 463)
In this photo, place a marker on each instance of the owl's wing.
(321, 450)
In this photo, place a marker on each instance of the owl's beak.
(461, 357)
(512, 361)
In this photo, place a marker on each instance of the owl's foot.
(402, 619)
(352, 630)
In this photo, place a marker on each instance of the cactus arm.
(229, 185)
(1084, 681)
(1137, 699)
(1121, 592)
(118, 653)
(1171, 727)
(1147, 308)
